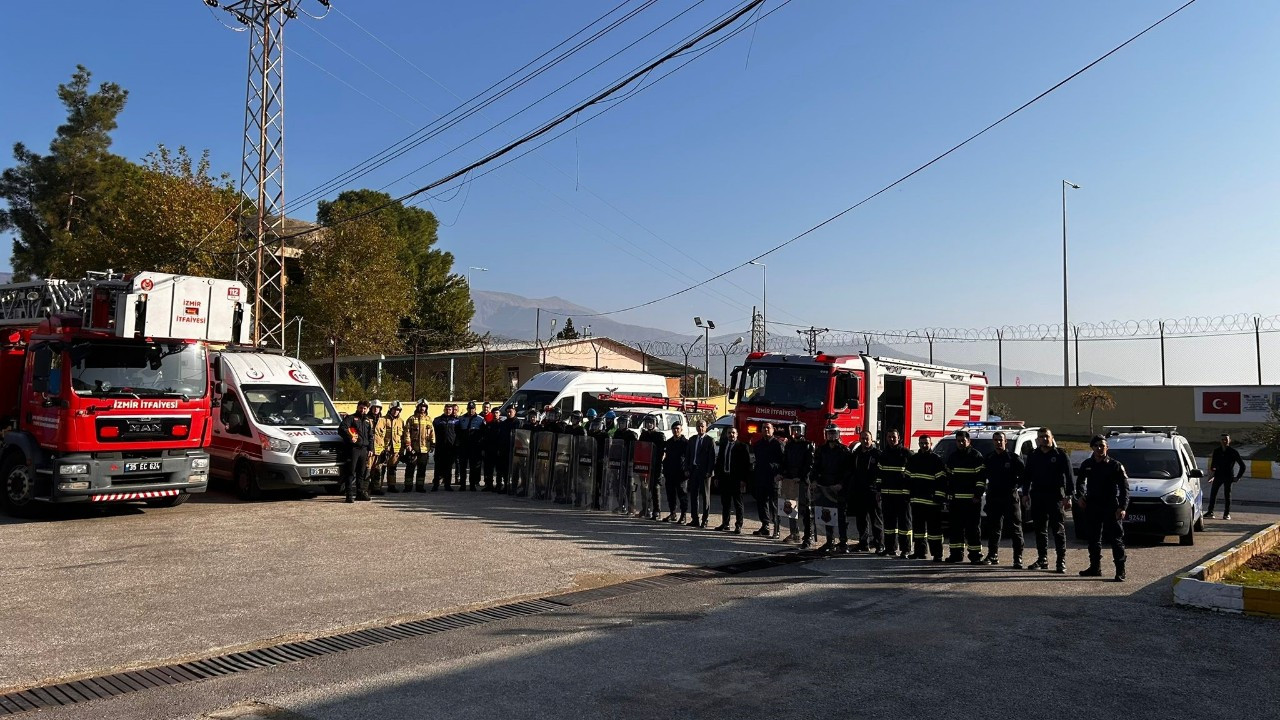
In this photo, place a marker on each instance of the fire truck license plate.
(323, 471)
(150, 466)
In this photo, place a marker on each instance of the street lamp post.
(1066, 344)
(706, 353)
(477, 269)
(724, 350)
(764, 299)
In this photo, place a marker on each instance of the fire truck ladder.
(30, 302)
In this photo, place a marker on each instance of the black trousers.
(897, 522)
(418, 471)
(965, 533)
(1102, 526)
(699, 496)
(867, 515)
(1225, 485)
(445, 457)
(767, 503)
(470, 465)
(490, 467)
(677, 496)
(1048, 517)
(926, 527)
(842, 522)
(501, 468)
(358, 469)
(1000, 512)
(730, 495)
(805, 510)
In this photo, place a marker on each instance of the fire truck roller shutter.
(928, 407)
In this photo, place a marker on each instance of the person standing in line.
(966, 483)
(894, 488)
(378, 461)
(499, 441)
(832, 462)
(1004, 506)
(419, 436)
(357, 433)
(1102, 491)
(699, 464)
(446, 432)
(655, 437)
(393, 445)
(674, 477)
(733, 472)
(768, 463)
(797, 466)
(486, 412)
(1047, 489)
(928, 476)
(863, 501)
(470, 448)
(1223, 472)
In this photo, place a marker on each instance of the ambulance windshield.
(138, 369)
(784, 386)
(276, 405)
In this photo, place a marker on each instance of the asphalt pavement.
(847, 635)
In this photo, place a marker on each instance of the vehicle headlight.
(76, 469)
(277, 445)
(199, 463)
(1177, 497)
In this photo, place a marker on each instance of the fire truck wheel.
(168, 502)
(18, 496)
(247, 483)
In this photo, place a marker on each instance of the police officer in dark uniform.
(797, 466)
(1103, 494)
(927, 474)
(498, 445)
(966, 483)
(894, 488)
(357, 433)
(864, 504)
(1047, 485)
(768, 463)
(674, 476)
(470, 448)
(446, 429)
(1004, 476)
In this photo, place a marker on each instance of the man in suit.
(699, 462)
(733, 472)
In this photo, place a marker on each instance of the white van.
(570, 390)
(274, 426)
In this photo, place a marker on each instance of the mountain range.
(507, 315)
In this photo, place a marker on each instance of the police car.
(1018, 438)
(1165, 491)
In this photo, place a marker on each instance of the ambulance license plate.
(148, 466)
(317, 472)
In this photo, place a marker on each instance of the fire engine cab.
(855, 392)
(104, 386)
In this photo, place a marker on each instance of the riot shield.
(613, 496)
(643, 471)
(584, 472)
(518, 473)
(543, 449)
(562, 469)
(789, 499)
(826, 519)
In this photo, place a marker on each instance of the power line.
(909, 175)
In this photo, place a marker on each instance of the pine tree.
(568, 332)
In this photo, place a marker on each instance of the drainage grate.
(105, 686)
(79, 691)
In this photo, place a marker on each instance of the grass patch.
(1258, 571)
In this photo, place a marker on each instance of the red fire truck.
(104, 386)
(855, 392)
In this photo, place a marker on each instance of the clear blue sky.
(1174, 141)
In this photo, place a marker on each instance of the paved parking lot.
(131, 587)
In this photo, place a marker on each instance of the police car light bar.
(995, 424)
(1166, 430)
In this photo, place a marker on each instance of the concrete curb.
(1201, 586)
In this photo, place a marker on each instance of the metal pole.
(484, 372)
(451, 379)
(930, 336)
(764, 311)
(706, 362)
(537, 330)
(1162, 352)
(414, 391)
(1066, 341)
(1257, 342)
(726, 369)
(1000, 355)
(298, 340)
(333, 370)
(1077, 331)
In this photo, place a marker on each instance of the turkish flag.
(1220, 403)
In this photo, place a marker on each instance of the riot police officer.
(831, 465)
(797, 466)
(767, 450)
(651, 434)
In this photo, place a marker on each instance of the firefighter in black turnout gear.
(1004, 506)
(831, 464)
(357, 433)
(864, 504)
(1047, 487)
(797, 466)
(966, 482)
(894, 489)
(1103, 493)
(927, 474)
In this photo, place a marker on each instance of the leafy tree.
(467, 384)
(1268, 435)
(440, 311)
(1001, 410)
(568, 332)
(1092, 399)
(53, 197)
(354, 288)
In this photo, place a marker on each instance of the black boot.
(1017, 561)
(362, 491)
(1120, 576)
(1094, 570)
(1061, 567)
(1041, 563)
(351, 495)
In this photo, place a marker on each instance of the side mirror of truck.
(220, 388)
